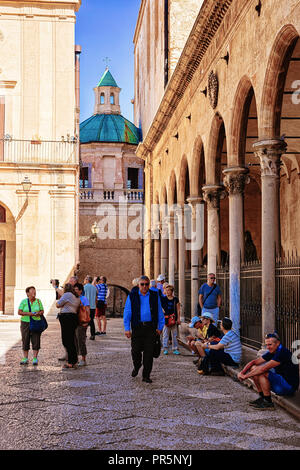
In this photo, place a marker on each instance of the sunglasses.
(272, 335)
(144, 284)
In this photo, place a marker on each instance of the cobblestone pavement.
(102, 407)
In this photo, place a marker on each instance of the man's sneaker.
(92, 338)
(264, 405)
(166, 352)
(258, 401)
(176, 351)
(24, 361)
(35, 361)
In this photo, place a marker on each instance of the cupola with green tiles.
(107, 124)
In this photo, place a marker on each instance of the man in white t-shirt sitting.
(228, 351)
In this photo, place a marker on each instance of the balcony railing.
(38, 151)
(111, 195)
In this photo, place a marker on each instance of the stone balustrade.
(38, 151)
(111, 195)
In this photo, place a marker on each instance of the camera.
(56, 282)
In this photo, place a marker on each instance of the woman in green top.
(37, 309)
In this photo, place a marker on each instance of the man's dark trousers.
(92, 324)
(142, 347)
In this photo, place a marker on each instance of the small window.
(102, 99)
(133, 178)
(112, 98)
(84, 177)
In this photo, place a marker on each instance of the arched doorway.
(7, 260)
(116, 300)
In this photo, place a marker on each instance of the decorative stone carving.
(213, 89)
(269, 153)
(235, 180)
(212, 195)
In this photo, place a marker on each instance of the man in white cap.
(160, 283)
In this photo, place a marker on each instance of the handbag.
(37, 326)
(83, 315)
(170, 320)
(157, 346)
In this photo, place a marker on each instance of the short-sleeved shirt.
(211, 300)
(232, 345)
(36, 306)
(170, 305)
(287, 369)
(90, 293)
(69, 303)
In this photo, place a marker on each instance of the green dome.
(109, 128)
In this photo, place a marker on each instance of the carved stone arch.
(214, 150)
(238, 128)
(197, 176)
(172, 189)
(274, 82)
(183, 179)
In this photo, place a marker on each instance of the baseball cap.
(194, 321)
(208, 315)
(161, 277)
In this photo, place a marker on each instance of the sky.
(105, 28)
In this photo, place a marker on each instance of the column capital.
(212, 194)
(235, 179)
(269, 152)
(193, 201)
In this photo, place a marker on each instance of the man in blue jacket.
(143, 319)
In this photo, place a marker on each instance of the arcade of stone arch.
(227, 134)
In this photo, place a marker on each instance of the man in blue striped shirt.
(102, 294)
(228, 351)
(143, 319)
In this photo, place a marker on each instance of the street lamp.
(95, 230)
(26, 184)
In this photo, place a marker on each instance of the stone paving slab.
(101, 407)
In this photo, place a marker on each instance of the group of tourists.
(152, 310)
(79, 305)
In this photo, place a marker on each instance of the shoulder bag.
(37, 325)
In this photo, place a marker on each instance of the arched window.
(102, 98)
(2, 215)
(112, 98)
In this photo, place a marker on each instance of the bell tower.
(107, 95)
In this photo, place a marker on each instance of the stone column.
(211, 195)
(269, 153)
(235, 180)
(164, 246)
(181, 260)
(195, 254)
(171, 274)
(156, 250)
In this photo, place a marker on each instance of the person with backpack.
(210, 297)
(31, 307)
(171, 308)
(83, 323)
(102, 295)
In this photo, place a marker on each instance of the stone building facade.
(111, 193)
(222, 132)
(38, 149)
